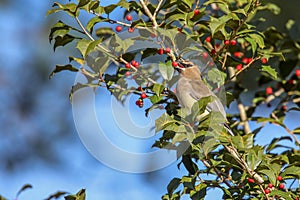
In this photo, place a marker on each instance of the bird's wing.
(197, 86)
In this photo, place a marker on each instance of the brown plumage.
(190, 89)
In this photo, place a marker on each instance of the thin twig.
(218, 173)
(149, 14)
(84, 30)
(157, 8)
(286, 129)
(273, 96)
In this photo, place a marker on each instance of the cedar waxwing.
(190, 89)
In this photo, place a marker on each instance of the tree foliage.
(259, 70)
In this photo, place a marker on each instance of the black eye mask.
(184, 65)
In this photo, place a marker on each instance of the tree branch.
(149, 14)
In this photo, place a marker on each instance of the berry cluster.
(143, 95)
(130, 29)
(270, 186)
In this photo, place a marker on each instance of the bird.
(190, 89)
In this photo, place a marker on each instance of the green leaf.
(173, 185)
(254, 158)
(216, 76)
(59, 68)
(70, 9)
(110, 8)
(243, 142)
(158, 88)
(282, 194)
(199, 107)
(104, 32)
(82, 3)
(155, 99)
(218, 24)
(78, 60)
(166, 70)
(124, 4)
(269, 72)
(78, 196)
(62, 41)
(200, 191)
(210, 145)
(92, 46)
(24, 187)
(252, 43)
(294, 29)
(2, 198)
(258, 38)
(273, 143)
(271, 7)
(179, 136)
(82, 46)
(120, 45)
(56, 195)
(291, 170)
(270, 174)
(163, 121)
(59, 29)
(90, 25)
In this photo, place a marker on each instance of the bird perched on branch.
(190, 89)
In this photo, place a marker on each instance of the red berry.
(127, 65)
(249, 60)
(135, 64)
(129, 17)
(152, 35)
(213, 52)
(160, 51)
(130, 30)
(233, 42)
(179, 30)
(217, 45)
(279, 178)
(208, 39)
(270, 185)
(226, 42)
(127, 73)
(292, 82)
(245, 60)
(174, 64)
(284, 107)
(239, 67)
(269, 91)
(267, 191)
(140, 88)
(119, 28)
(281, 186)
(264, 60)
(205, 55)
(238, 54)
(297, 72)
(143, 95)
(139, 103)
(251, 180)
(168, 50)
(196, 12)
